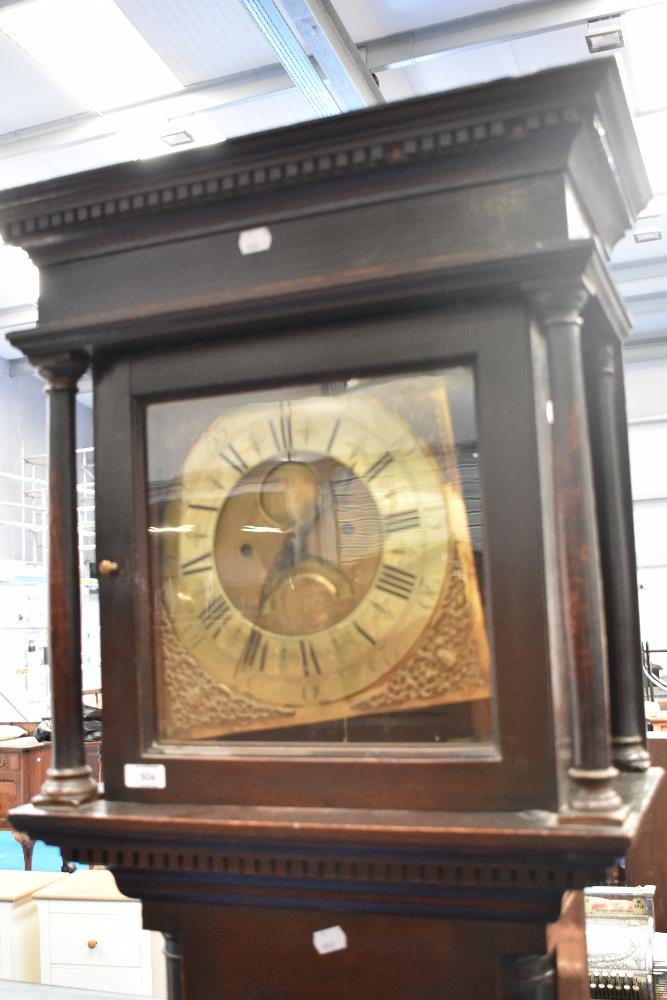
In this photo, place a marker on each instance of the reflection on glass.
(315, 565)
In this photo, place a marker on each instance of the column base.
(630, 754)
(593, 799)
(67, 788)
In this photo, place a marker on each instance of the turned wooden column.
(585, 645)
(69, 780)
(172, 954)
(611, 464)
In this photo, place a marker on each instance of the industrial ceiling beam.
(328, 41)
(641, 351)
(380, 54)
(280, 35)
(515, 21)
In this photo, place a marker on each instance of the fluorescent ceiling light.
(91, 49)
(147, 137)
(181, 138)
(604, 34)
(647, 236)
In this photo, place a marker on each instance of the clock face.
(318, 548)
(304, 551)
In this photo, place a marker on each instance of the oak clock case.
(275, 649)
(312, 566)
(411, 242)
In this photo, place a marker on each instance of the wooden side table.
(23, 765)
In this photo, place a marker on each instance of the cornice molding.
(221, 183)
(366, 142)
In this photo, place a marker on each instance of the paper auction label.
(145, 776)
(329, 939)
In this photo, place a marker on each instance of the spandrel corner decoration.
(315, 563)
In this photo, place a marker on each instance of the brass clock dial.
(313, 564)
(312, 551)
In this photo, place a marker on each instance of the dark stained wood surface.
(64, 612)
(177, 195)
(646, 860)
(567, 938)
(580, 575)
(532, 831)
(340, 777)
(259, 954)
(603, 364)
(238, 312)
(69, 779)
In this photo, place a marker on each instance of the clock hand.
(282, 566)
(293, 498)
(293, 569)
(293, 553)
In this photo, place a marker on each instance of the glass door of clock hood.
(316, 554)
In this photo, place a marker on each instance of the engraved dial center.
(293, 553)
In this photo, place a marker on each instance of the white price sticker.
(255, 240)
(329, 939)
(145, 776)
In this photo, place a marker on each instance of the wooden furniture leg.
(172, 952)
(27, 846)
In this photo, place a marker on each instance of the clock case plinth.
(468, 227)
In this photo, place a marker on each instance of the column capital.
(62, 371)
(559, 303)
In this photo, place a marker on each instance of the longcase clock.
(369, 664)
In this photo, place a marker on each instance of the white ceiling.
(228, 80)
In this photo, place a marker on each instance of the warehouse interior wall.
(647, 429)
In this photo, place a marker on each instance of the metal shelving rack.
(28, 512)
(24, 628)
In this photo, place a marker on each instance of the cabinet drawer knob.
(92, 944)
(107, 567)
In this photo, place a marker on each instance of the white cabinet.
(92, 937)
(19, 924)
